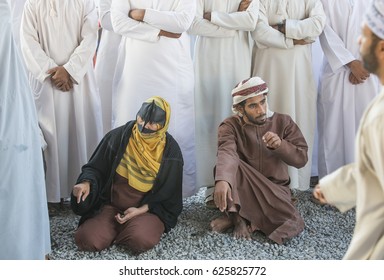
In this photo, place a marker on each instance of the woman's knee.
(140, 243)
(90, 242)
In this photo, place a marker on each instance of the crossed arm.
(243, 6)
(138, 14)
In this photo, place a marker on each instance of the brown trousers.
(265, 205)
(139, 234)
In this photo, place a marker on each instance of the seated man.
(130, 191)
(255, 147)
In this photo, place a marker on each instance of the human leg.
(97, 233)
(265, 205)
(225, 222)
(221, 224)
(240, 229)
(141, 233)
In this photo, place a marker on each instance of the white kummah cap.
(375, 17)
(246, 89)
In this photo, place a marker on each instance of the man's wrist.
(281, 26)
(207, 16)
(351, 63)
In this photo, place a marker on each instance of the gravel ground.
(326, 236)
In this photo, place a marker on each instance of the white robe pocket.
(36, 86)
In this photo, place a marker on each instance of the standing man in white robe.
(346, 88)
(106, 60)
(223, 54)
(24, 230)
(157, 61)
(282, 57)
(58, 41)
(361, 184)
(17, 7)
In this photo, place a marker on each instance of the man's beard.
(370, 60)
(258, 121)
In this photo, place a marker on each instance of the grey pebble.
(326, 236)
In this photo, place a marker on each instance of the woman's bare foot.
(221, 224)
(241, 230)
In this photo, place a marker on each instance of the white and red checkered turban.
(375, 17)
(246, 89)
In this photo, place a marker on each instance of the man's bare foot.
(221, 224)
(240, 227)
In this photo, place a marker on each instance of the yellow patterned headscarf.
(142, 158)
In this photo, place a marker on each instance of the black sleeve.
(167, 202)
(97, 172)
(169, 209)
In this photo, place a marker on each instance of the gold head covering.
(142, 158)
